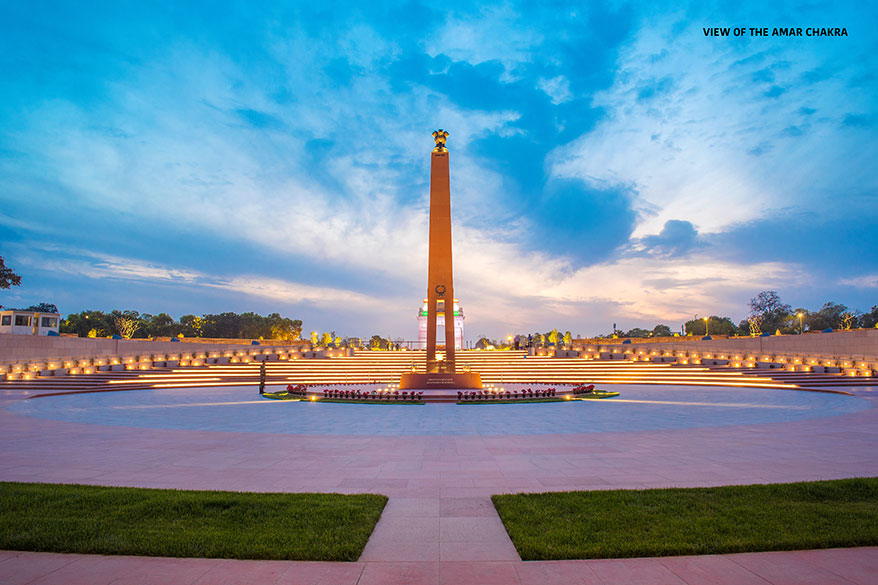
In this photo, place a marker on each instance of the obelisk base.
(462, 381)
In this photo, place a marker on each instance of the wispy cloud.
(865, 281)
(99, 266)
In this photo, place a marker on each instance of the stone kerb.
(851, 353)
(27, 347)
(20, 354)
(859, 344)
(297, 343)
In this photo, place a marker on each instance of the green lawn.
(283, 396)
(690, 521)
(182, 523)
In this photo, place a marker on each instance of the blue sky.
(610, 163)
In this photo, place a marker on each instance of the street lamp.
(706, 327)
(801, 326)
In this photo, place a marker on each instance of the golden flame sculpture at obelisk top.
(440, 370)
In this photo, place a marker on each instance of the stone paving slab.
(640, 408)
(439, 525)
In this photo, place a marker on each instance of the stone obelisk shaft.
(440, 284)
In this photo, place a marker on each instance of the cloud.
(100, 266)
(557, 88)
(486, 34)
(293, 292)
(775, 91)
(715, 148)
(677, 238)
(865, 281)
(654, 88)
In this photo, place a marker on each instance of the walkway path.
(844, 566)
(439, 525)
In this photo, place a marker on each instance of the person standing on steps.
(262, 377)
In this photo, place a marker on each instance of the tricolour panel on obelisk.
(441, 370)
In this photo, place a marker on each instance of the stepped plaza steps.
(497, 368)
(808, 379)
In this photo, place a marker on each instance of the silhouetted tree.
(773, 313)
(378, 342)
(635, 332)
(715, 326)
(192, 326)
(224, 325)
(829, 315)
(42, 308)
(661, 331)
(126, 325)
(161, 325)
(7, 276)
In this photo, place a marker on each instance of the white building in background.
(440, 322)
(29, 322)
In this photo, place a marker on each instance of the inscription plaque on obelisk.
(441, 363)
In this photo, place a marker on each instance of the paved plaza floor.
(439, 472)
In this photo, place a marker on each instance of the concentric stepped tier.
(497, 369)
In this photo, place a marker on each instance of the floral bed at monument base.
(354, 401)
(514, 401)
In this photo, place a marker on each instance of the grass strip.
(283, 396)
(692, 521)
(596, 396)
(183, 523)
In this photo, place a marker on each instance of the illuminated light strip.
(157, 379)
(197, 385)
(723, 384)
(361, 366)
(720, 404)
(366, 367)
(228, 375)
(144, 406)
(558, 378)
(523, 370)
(553, 363)
(545, 374)
(571, 370)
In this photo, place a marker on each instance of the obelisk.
(440, 282)
(440, 372)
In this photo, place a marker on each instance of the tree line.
(553, 337)
(134, 325)
(769, 314)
